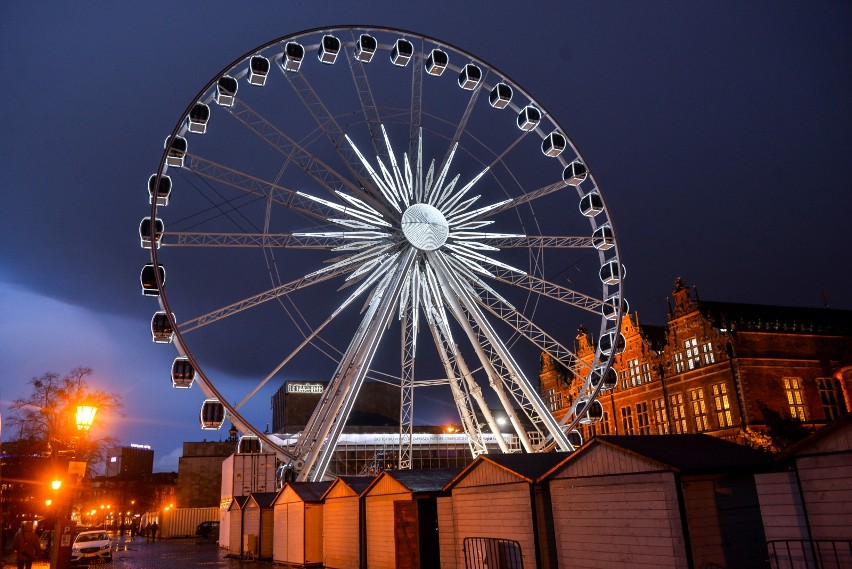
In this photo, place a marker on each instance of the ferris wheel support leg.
(472, 308)
(462, 401)
(493, 377)
(318, 441)
(446, 344)
(476, 393)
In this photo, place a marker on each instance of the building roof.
(686, 453)
(310, 491)
(783, 319)
(527, 466)
(421, 480)
(238, 502)
(357, 483)
(811, 442)
(263, 499)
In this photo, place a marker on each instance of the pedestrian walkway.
(136, 553)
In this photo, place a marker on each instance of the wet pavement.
(136, 553)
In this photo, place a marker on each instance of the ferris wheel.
(354, 204)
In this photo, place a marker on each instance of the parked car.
(46, 541)
(208, 530)
(91, 546)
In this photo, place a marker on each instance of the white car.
(91, 546)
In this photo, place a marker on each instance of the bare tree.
(44, 422)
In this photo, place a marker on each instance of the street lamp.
(85, 417)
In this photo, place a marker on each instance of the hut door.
(406, 534)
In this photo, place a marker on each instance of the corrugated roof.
(687, 453)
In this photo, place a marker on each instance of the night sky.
(719, 133)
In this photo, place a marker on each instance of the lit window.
(678, 413)
(722, 404)
(554, 399)
(633, 366)
(646, 372)
(795, 398)
(692, 358)
(627, 420)
(831, 397)
(707, 353)
(642, 418)
(661, 421)
(678, 362)
(699, 409)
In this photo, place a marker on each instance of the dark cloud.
(719, 134)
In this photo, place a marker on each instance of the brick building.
(717, 368)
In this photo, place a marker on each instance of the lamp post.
(61, 555)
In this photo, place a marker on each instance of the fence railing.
(492, 553)
(809, 553)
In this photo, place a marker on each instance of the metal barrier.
(492, 553)
(809, 553)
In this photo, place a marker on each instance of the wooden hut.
(496, 512)
(658, 500)
(343, 522)
(258, 525)
(298, 524)
(402, 518)
(807, 505)
(235, 526)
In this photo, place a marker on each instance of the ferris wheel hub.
(425, 227)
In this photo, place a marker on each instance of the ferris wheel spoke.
(257, 186)
(319, 438)
(335, 136)
(258, 299)
(321, 172)
(416, 116)
(462, 124)
(542, 242)
(307, 340)
(370, 110)
(528, 197)
(547, 289)
(526, 327)
(253, 240)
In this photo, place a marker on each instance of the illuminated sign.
(312, 388)
(133, 445)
